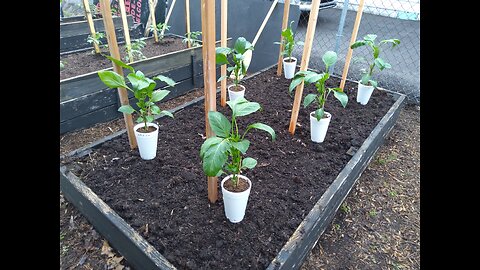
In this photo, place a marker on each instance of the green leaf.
(319, 114)
(376, 51)
(246, 108)
(119, 62)
(249, 163)
(222, 78)
(313, 77)
(329, 58)
(242, 145)
(357, 44)
(340, 95)
(223, 50)
(370, 37)
(214, 154)
(233, 103)
(167, 113)
(263, 127)
(219, 124)
(394, 41)
(309, 99)
(165, 79)
(159, 95)
(242, 45)
(126, 109)
(221, 59)
(149, 118)
(374, 83)
(112, 79)
(155, 109)
(295, 82)
(380, 63)
(138, 83)
(387, 65)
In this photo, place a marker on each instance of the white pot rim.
(233, 85)
(329, 115)
(360, 82)
(295, 59)
(236, 193)
(151, 124)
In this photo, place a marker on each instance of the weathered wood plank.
(81, 27)
(128, 242)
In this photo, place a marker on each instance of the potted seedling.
(224, 153)
(146, 132)
(319, 119)
(366, 85)
(288, 42)
(238, 69)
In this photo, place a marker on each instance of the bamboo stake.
(312, 23)
(115, 53)
(126, 30)
(223, 43)
(352, 40)
(187, 22)
(168, 17)
(286, 10)
(88, 13)
(152, 19)
(209, 77)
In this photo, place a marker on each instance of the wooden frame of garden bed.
(85, 100)
(142, 255)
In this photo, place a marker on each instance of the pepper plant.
(288, 41)
(225, 150)
(142, 88)
(96, 39)
(237, 68)
(158, 28)
(376, 61)
(136, 49)
(192, 37)
(311, 77)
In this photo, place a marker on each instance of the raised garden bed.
(85, 100)
(296, 189)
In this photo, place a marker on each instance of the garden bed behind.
(165, 199)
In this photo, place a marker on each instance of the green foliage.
(223, 152)
(142, 88)
(96, 39)
(158, 28)
(311, 77)
(288, 41)
(237, 55)
(192, 37)
(62, 65)
(135, 48)
(373, 213)
(375, 61)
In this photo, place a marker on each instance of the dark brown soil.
(291, 175)
(289, 60)
(147, 130)
(86, 62)
(241, 186)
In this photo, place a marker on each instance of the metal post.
(340, 32)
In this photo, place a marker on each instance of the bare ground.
(377, 227)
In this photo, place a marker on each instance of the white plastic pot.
(232, 95)
(289, 67)
(235, 203)
(363, 93)
(318, 129)
(147, 142)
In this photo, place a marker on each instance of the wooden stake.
(187, 22)
(152, 20)
(209, 77)
(223, 43)
(88, 14)
(115, 53)
(286, 10)
(168, 17)
(312, 23)
(126, 30)
(352, 40)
